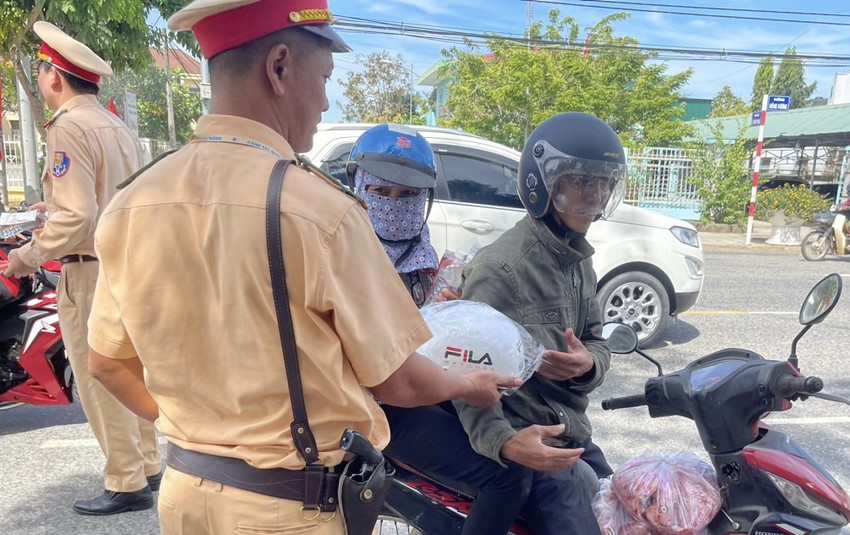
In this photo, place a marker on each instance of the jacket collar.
(574, 245)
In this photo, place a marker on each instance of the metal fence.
(660, 179)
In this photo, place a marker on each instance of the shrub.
(796, 201)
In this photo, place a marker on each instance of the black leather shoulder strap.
(301, 433)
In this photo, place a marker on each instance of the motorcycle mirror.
(621, 338)
(821, 300)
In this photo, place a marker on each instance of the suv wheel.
(636, 299)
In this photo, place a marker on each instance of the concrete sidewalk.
(720, 238)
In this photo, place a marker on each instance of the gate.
(660, 179)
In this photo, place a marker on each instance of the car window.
(480, 178)
(334, 164)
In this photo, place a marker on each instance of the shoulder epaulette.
(305, 163)
(53, 119)
(135, 175)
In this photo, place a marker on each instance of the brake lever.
(830, 397)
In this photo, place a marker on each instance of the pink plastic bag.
(669, 494)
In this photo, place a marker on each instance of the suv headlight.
(797, 497)
(686, 236)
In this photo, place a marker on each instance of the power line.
(464, 36)
(715, 8)
(689, 14)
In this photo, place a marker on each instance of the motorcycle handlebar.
(789, 385)
(624, 402)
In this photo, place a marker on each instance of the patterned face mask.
(399, 224)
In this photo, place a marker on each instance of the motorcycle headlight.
(686, 236)
(797, 497)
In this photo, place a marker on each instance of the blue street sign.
(756, 120)
(778, 103)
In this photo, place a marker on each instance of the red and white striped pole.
(757, 167)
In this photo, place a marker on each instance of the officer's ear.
(278, 60)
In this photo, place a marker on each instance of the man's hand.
(15, 267)
(526, 447)
(481, 388)
(447, 295)
(575, 362)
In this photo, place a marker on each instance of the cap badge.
(311, 15)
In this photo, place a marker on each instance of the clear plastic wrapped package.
(663, 494)
(12, 223)
(471, 336)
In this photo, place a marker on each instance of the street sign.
(756, 120)
(779, 103)
(131, 112)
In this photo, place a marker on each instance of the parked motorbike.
(769, 484)
(33, 366)
(831, 234)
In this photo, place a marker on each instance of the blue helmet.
(396, 153)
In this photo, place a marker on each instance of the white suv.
(650, 266)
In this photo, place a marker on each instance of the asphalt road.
(48, 457)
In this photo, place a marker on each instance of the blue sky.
(509, 16)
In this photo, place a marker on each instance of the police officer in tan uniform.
(185, 293)
(89, 151)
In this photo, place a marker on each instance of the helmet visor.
(580, 186)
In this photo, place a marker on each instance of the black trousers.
(432, 440)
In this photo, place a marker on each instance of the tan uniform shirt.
(89, 152)
(184, 284)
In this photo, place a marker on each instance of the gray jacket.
(532, 276)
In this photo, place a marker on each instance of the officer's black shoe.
(154, 481)
(112, 502)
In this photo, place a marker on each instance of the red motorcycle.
(33, 366)
(769, 484)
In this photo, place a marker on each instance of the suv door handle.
(478, 226)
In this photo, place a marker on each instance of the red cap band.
(235, 27)
(55, 58)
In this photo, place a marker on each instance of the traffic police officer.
(185, 290)
(89, 151)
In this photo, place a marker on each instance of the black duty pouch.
(363, 484)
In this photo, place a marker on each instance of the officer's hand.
(575, 362)
(526, 447)
(15, 267)
(481, 388)
(40, 206)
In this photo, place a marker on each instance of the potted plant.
(786, 208)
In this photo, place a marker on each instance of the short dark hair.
(76, 83)
(241, 59)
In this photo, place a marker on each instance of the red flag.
(112, 108)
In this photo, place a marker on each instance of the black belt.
(71, 258)
(315, 486)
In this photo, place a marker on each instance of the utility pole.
(166, 61)
(410, 96)
(4, 186)
(32, 180)
(529, 13)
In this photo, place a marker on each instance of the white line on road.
(738, 313)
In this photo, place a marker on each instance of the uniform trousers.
(128, 442)
(189, 505)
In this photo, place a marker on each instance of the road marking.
(76, 443)
(815, 420)
(737, 313)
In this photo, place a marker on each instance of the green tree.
(117, 30)
(727, 103)
(381, 92)
(149, 86)
(504, 94)
(720, 174)
(762, 83)
(790, 80)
